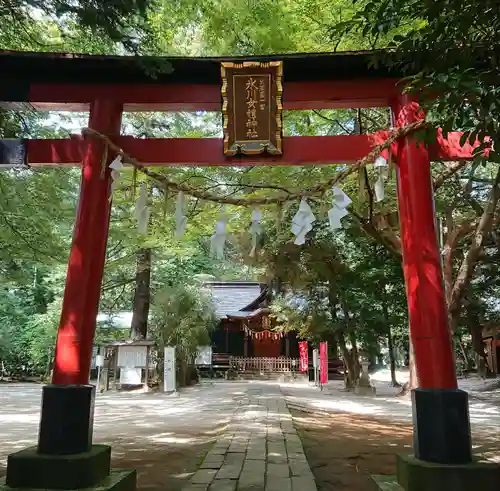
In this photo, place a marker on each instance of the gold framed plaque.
(252, 107)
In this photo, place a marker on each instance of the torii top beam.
(70, 82)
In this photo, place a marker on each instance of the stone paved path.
(259, 451)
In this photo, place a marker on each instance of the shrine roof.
(234, 298)
(40, 67)
(128, 342)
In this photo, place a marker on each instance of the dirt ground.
(161, 467)
(343, 450)
(164, 438)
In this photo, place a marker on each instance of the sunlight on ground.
(385, 376)
(19, 418)
(173, 439)
(165, 437)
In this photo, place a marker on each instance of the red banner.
(323, 362)
(304, 356)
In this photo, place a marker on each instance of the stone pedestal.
(65, 457)
(443, 458)
(416, 475)
(364, 386)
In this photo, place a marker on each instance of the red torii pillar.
(440, 410)
(67, 410)
(65, 457)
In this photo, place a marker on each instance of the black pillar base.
(441, 427)
(67, 420)
(31, 469)
(417, 475)
(65, 458)
(116, 480)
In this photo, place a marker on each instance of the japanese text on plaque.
(255, 101)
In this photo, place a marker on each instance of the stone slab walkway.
(259, 451)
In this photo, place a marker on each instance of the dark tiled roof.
(40, 67)
(232, 297)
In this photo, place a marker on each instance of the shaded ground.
(166, 437)
(160, 467)
(484, 406)
(163, 437)
(344, 449)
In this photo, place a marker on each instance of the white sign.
(169, 384)
(132, 356)
(204, 356)
(99, 361)
(316, 358)
(130, 376)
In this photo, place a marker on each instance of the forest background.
(344, 286)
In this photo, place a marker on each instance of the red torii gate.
(108, 86)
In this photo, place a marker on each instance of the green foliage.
(182, 316)
(338, 283)
(27, 339)
(37, 210)
(348, 283)
(449, 51)
(239, 27)
(39, 336)
(12, 315)
(62, 24)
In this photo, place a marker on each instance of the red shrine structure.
(107, 86)
(244, 329)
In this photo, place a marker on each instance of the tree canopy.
(449, 49)
(346, 286)
(56, 24)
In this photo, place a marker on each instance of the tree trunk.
(355, 352)
(413, 379)
(478, 345)
(349, 366)
(392, 359)
(390, 344)
(351, 359)
(471, 257)
(352, 366)
(183, 371)
(139, 327)
(467, 361)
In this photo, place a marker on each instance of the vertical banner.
(323, 362)
(169, 369)
(304, 356)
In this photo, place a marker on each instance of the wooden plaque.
(252, 107)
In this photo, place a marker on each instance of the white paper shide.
(142, 210)
(383, 173)
(218, 240)
(255, 229)
(180, 217)
(338, 210)
(302, 222)
(116, 167)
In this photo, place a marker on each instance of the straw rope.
(319, 189)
